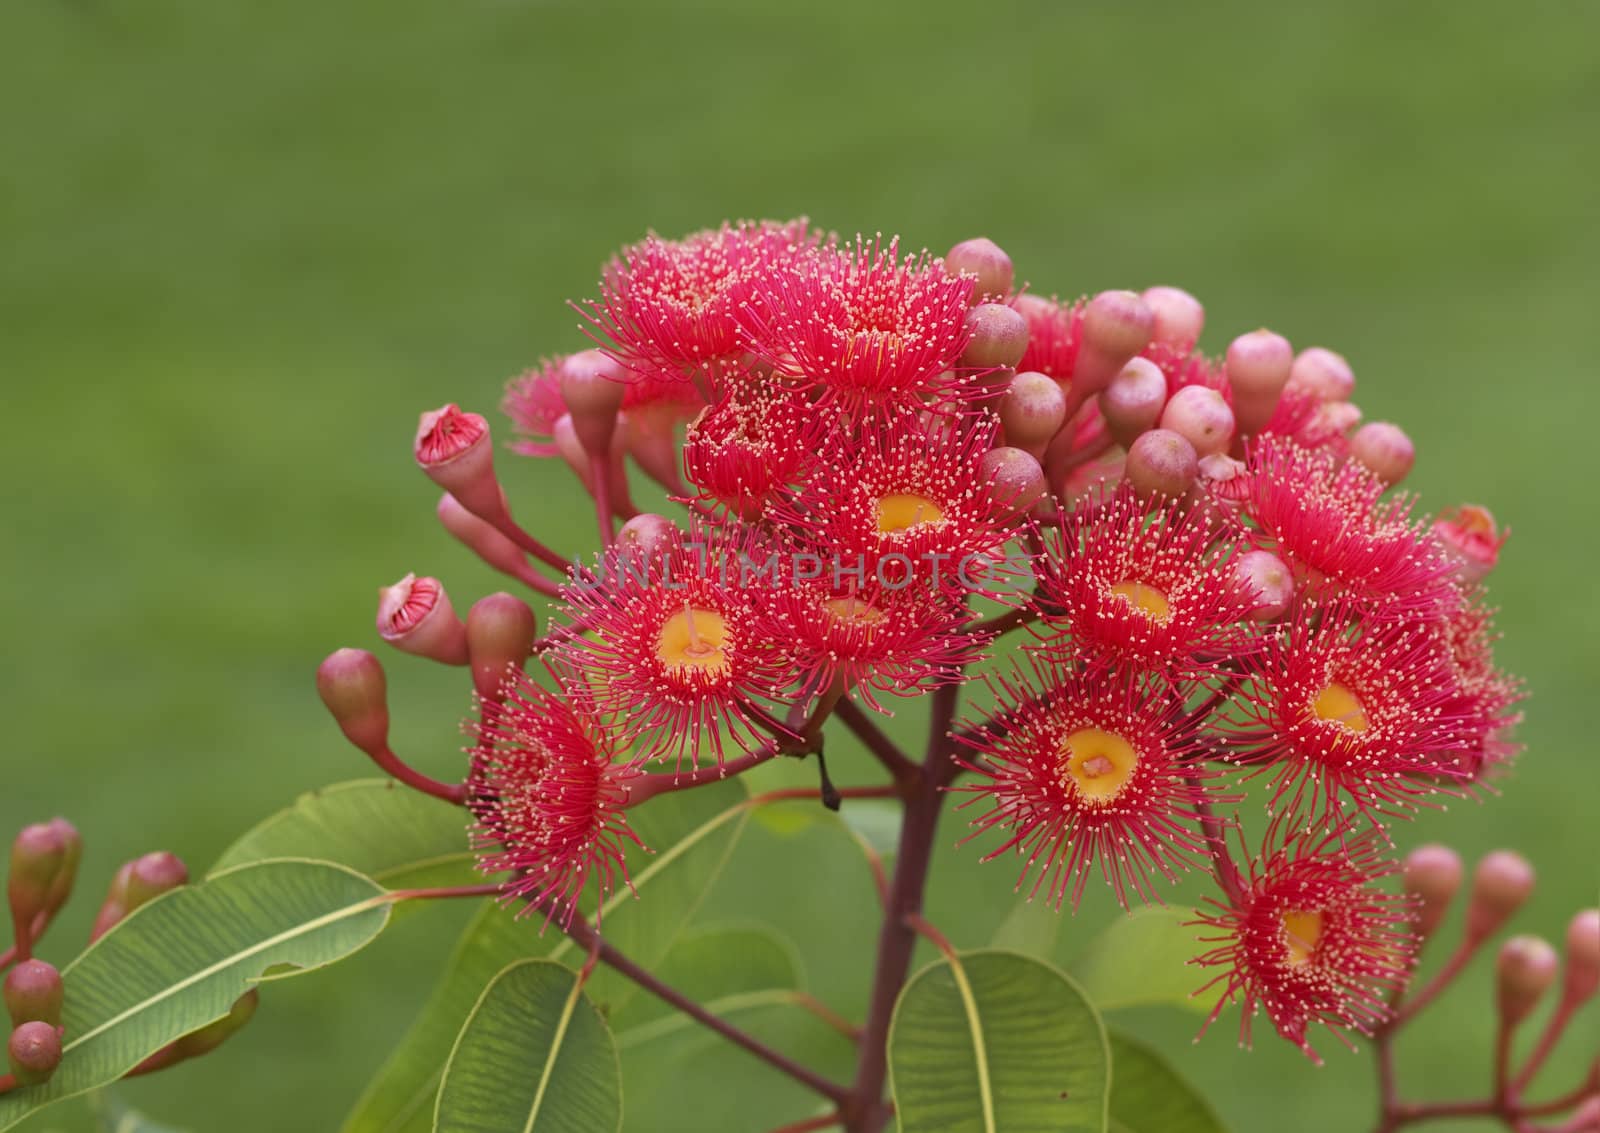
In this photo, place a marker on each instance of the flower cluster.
(885, 463)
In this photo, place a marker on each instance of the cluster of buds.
(887, 463)
(43, 868)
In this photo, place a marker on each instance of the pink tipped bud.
(1258, 367)
(34, 1052)
(1132, 403)
(501, 630)
(454, 449)
(652, 442)
(1179, 316)
(1272, 581)
(415, 615)
(999, 337)
(645, 534)
(1032, 410)
(152, 875)
(1432, 876)
(33, 993)
(67, 875)
(116, 903)
(1469, 535)
(592, 385)
(1385, 449)
(1335, 418)
(1116, 326)
(482, 538)
(1583, 956)
(352, 685)
(985, 259)
(38, 856)
(1322, 373)
(1162, 463)
(1500, 885)
(564, 435)
(1200, 416)
(213, 1035)
(1015, 479)
(1525, 970)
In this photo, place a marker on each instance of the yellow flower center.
(694, 640)
(852, 611)
(1097, 764)
(1339, 705)
(901, 511)
(1302, 930)
(1144, 598)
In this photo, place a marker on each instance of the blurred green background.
(243, 245)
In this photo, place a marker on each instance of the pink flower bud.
(213, 1035)
(1132, 403)
(1161, 463)
(454, 449)
(645, 534)
(1385, 449)
(653, 443)
(592, 386)
(33, 993)
(152, 875)
(38, 855)
(1179, 317)
(1469, 535)
(1432, 876)
(501, 630)
(34, 1052)
(483, 539)
(1200, 416)
(985, 259)
(61, 890)
(564, 435)
(999, 337)
(1500, 885)
(1031, 411)
(1116, 326)
(1015, 479)
(1583, 956)
(1272, 581)
(415, 615)
(1322, 373)
(1257, 367)
(1335, 418)
(1524, 971)
(352, 684)
(115, 906)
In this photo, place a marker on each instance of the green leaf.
(725, 969)
(1031, 927)
(997, 1043)
(1148, 1096)
(534, 1055)
(692, 833)
(396, 836)
(1142, 960)
(179, 962)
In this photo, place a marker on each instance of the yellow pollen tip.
(1302, 931)
(850, 610)
(1146, 599)
(694, 639)
(901, 511)
(1339, 705)
(1096, 765)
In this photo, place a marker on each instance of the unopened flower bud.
(1583, 956)
(415, 615)
(352, 684)
(564, 435)
(1272, 581)
(34, 1052)
(1015, 479)
(985, 259)
(592, 386)
(999, 337)
(1258, 367)
(1525, 969)
(1200, 416)
(1469, 535)
(1179, 316)
(645, 534)
(1132, 403)
(33, 993)
(213, 1035)
(38, 855)
(115, 906)
(1116, 326)
(1385, 450)
(482, 538)
(501, 629)
(1323, 374)
(1031, 411)
(652, 441)
(1161, 463)
(1335, 418)
(67, 875)
(1432, 876)
(1500, 885)
(152, 875)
